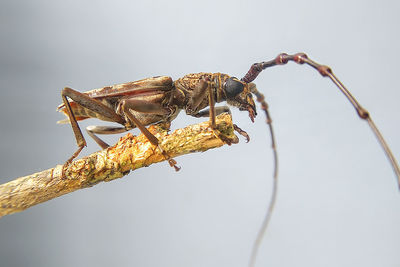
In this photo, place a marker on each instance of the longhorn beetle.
(159, 99)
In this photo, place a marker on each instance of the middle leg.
(93, 130)
(144, 106)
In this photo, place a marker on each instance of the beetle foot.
(226, 140)
(68, 162)
(64, 169)
(170, 160)
(173, 163)
(242, 132)
(229, 140)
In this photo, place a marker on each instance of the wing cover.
(148, 85)
(160, 83)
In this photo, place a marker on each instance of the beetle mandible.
(159, 99)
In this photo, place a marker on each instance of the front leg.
(207, 112)
(219, 110)
(197, 97)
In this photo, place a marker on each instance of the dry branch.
(130, 153)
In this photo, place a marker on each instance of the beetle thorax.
(186, 93)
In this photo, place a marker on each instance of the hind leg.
(93, 130)
(88, 103)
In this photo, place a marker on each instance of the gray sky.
(338, 203)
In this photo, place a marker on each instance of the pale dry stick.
(128, 154)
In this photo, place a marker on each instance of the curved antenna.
(325, 71)
(268, 215)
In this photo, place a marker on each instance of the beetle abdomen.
(82, 113)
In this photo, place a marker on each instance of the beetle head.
(238, 94)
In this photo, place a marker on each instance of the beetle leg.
(197, 97)
(131, 104)
(88, 103)
(242, 132)
(80, 140)
(127, 105)
(218, 110)
(92, 130)
(212, 106)
(144, 106)
(199, 92)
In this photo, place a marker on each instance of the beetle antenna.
(325, 71)
(267, 218)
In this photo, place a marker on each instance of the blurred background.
(338, 203)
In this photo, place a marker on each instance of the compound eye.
(233, 87)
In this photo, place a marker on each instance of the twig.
(128, 154)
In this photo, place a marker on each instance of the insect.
(158, 100)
